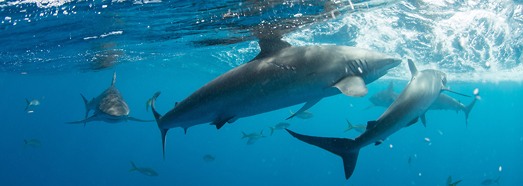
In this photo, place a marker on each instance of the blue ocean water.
(53, 51)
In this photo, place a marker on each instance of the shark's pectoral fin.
(219, 122)
(371, 125)
(352, 86)
(89, 119)
(139, 120)
(305, 107)
(423, 120)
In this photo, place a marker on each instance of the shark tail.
(468, 108)
(157, 117)
(28, 104)
(345, 148)
(133, 168)
(244, 135)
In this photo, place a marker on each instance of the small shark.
(280, 76)
(253, 137)
(444, 102)
(411, 104)
(108, 106)
(490, 181)
(384, 98)
(450, 183)
(144, 170)
(357, 128)
(279, 126)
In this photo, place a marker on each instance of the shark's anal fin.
(352, 86)
(347, 149)
(305, 107)
(219, 122)
(371, 125)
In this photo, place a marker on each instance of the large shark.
(108, 106)
(280, 76)
(411, 104)
(387, 96)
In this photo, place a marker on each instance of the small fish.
(450, 183)
(253, 137)
(144, 170)
(427, 140)
(302, 115)
(32, 103)
(208, 158)
(358, 128)
(279, 126)
(33, 143)
(490, 181)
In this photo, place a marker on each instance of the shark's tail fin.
(133, 168)
(157, 117)
(345, 148)
(468, 108)
(244, 135)
(349, 126)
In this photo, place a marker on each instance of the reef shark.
(412, 103)
(109, 106)
(280, 76)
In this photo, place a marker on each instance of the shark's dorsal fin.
(412, 67)
(352, 86)
(114, 79)
(269, 46)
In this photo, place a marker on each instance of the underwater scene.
(269, 92)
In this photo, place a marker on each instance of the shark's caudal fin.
(468, 108)
(87, 107)
(157, 117)
(244, 135)
(343, 147)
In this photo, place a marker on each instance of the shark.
(280, 76)
(411, 104)
(385, 98)
(109, 106)
(144, 170)
(452, 183)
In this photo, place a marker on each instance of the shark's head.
(377, 66)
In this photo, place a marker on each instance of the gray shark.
(108, 106)
(452, 183)
(411, 104)
(280, 76)
(144, 170)
(385, 98)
